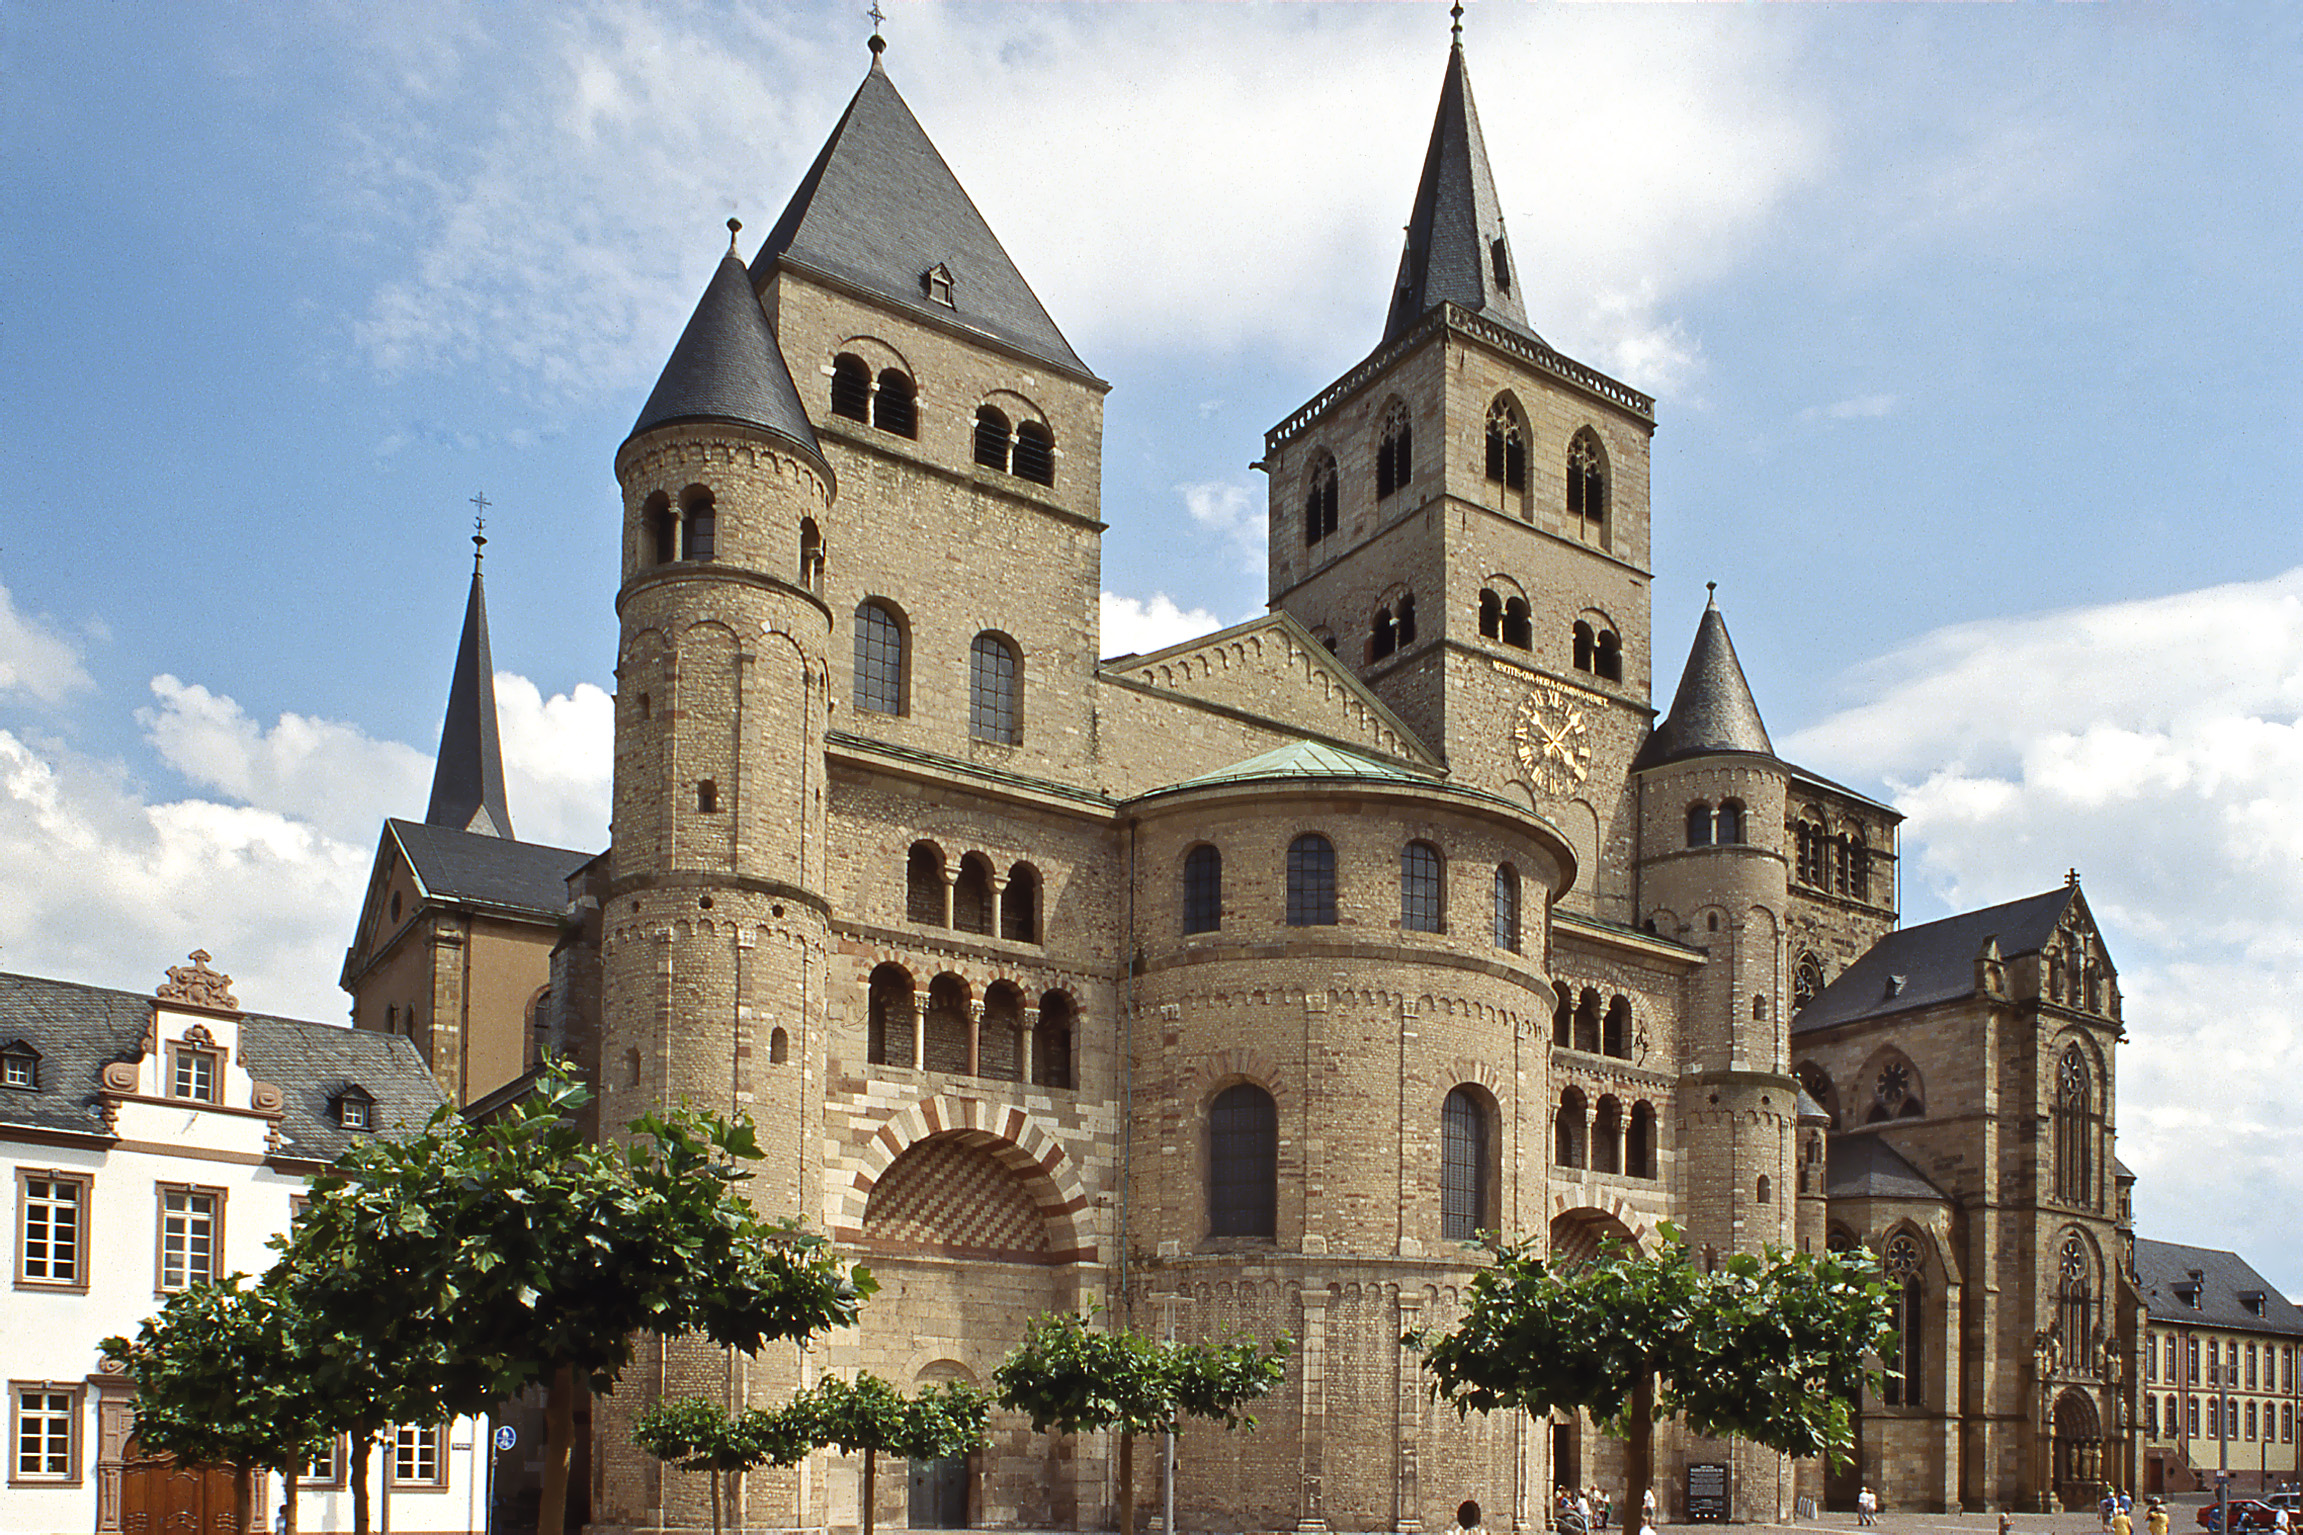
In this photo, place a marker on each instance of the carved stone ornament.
(120, 1077)
(267, 1099)
(198, 985)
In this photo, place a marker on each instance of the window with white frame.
(52, 1236)
(416, 1457)
(192, 1074)
(43, 1433)
(20, 1067)
(191, 1236)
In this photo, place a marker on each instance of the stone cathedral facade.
(1241, 986)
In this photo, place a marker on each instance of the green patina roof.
(1306, 759)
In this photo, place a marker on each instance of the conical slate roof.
(1713, 710)
(1456, 248)
(468, 779)
(727, 367)
(880, 210)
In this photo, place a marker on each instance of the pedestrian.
(1866, 1507)
(2105, 1507)
(2122, 1523)
(2156, 1520)
(2126, 1501)
(1606, 1507)
(2006, 1523)
(1647, 1507)
(2279, 1521)
(280, 1520)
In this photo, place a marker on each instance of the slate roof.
(1456, 250)
(880, 208)
(1866, 1167)
(468, 779)
(2224, 1277)
(1305, 760)
(1935, 962)
(727, 367)
(1713, 711)
(522, 877)
(79, 1029)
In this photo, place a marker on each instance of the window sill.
(54, 1286)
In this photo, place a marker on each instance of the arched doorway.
(1578, 1236)
(938, 1497)
(2078, 1450)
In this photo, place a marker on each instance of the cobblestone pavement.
(2182, 1509)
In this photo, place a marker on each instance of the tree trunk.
(362, 1443)
(243, 1497)
(559, 1440)
(1640, 1455)
(1127, 1483)
(290, 1475)
(871, 1478)
(717, 1476)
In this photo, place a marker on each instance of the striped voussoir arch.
(1006, 1133)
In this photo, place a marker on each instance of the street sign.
(506, 1437)
(1706, 1497)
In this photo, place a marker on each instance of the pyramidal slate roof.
(727, 367)
(1934, 962)
(468, 779)
(2227, 1289)
(1456, 249)
(880, 210)
(1713, 711)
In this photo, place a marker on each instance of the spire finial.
(480, 506)
(1712, 587)
(1456, 28)
(734, 227)
(2072, 879)
(878, 44)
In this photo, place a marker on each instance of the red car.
(2246, 1514)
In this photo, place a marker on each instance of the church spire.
(1456, 248)
(1713, 711)
(468, 781)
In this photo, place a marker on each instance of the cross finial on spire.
(2072, 878)
(734, 227)
(480, 504)
(1713, 588)
(1455, 29)
(878, 44)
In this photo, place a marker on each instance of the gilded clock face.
(1551, 740)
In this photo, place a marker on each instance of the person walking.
(2155, 1519)
(1867, 1507)
(2122, 1523)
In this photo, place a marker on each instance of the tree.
(1074, 1379)
(1771, 1350)
(217, 1384)
(870, 1415)
(699, 1435)
(455, 1268)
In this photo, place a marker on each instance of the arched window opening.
(1518, 630)
(1587, 483)
(991, 438)
(851, 387)
(972, 895)
(2074, 1129)
(879, 659)
(663, 530)
(701, 535)
(1763, 1192)
(1639, 1142)
(1506, 447)
(707, 796)
(811, 555)
(1563, 1016)
(1607, 1136)
(1311, 881)
(1583, 646)
(924, 885)
(1806, 981)
(2075, 1295)
(946, 1026)
(1699, 825)
(1727, 827)
(1615, 1037)
(1382, 636)
(1419, 893)
(1463, 1166)
(890, 1013)
(1203, 889)
(1507, 907)
(1020, 905)
(1406, 612)
(995, 691)
(1567, 1130)
(1587, 1022)
(1490, 616)
(894, 406)
(1319, 500)
(1035, 453)
(1052, 1042)
(1858, 865)
(1895, 1092)
(1904, 1369)
(1607, 659)
(1243, 1163)
(1394, 457)
(779, 1047)
(1000, 1035)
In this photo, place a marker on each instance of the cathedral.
(1240, 988)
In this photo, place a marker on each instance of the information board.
(1706, 1493)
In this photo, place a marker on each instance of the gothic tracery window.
(1806, 981)
(1904, 1263)
(2074, 1129)
(1506, 446)
(1587, 485)
(1319, 500)
(1394, 459)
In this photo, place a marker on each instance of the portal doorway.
(939, 1499)
(1566, 1456)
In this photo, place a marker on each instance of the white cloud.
(35, 660)
(2157, 746)
(559, 761)
(1140, 626)
(1860, 407)
(1235, 513)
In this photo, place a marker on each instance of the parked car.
(2246, 1514)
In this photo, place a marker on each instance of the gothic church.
(1240, 986)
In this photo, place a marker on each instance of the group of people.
(2116, 1512)
(1580, 1509)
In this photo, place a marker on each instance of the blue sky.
(1973, 331)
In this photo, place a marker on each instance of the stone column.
(1311, 1517)
(975, 1039)
(919, 1032)
(1025, 1057)
(1407, 1493)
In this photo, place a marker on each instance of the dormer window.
(192, 1074)
(354, 1108)
(936, 281)
(20, 1067)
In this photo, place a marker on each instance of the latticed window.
(1202, 889)
(1243, 1163)
(187, 1237)
(44, 1422)
(2074, 1129)
(1035, 454)
(995, 692)
(1506, 447)
(1905, 1264)
(851, 388)
(1507, 907)
(1586, 479)
(1319, 501)
(54, 1210)
(416, 1454)
(1728, 826)
(195, 1076)
(1394, 457)
(1699, 825)
(1419, 894)
(879, 660)
(991, 438)
(893, 407)
(1310, 881)
(2075, 1273)
(1463, 1166)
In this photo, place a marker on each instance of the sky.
(1973, 331)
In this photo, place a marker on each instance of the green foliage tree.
(451, 1269)
(217, 1383)
(1072, 1378)
(870, 1415)
(700, 1435)
(1772, 1350)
